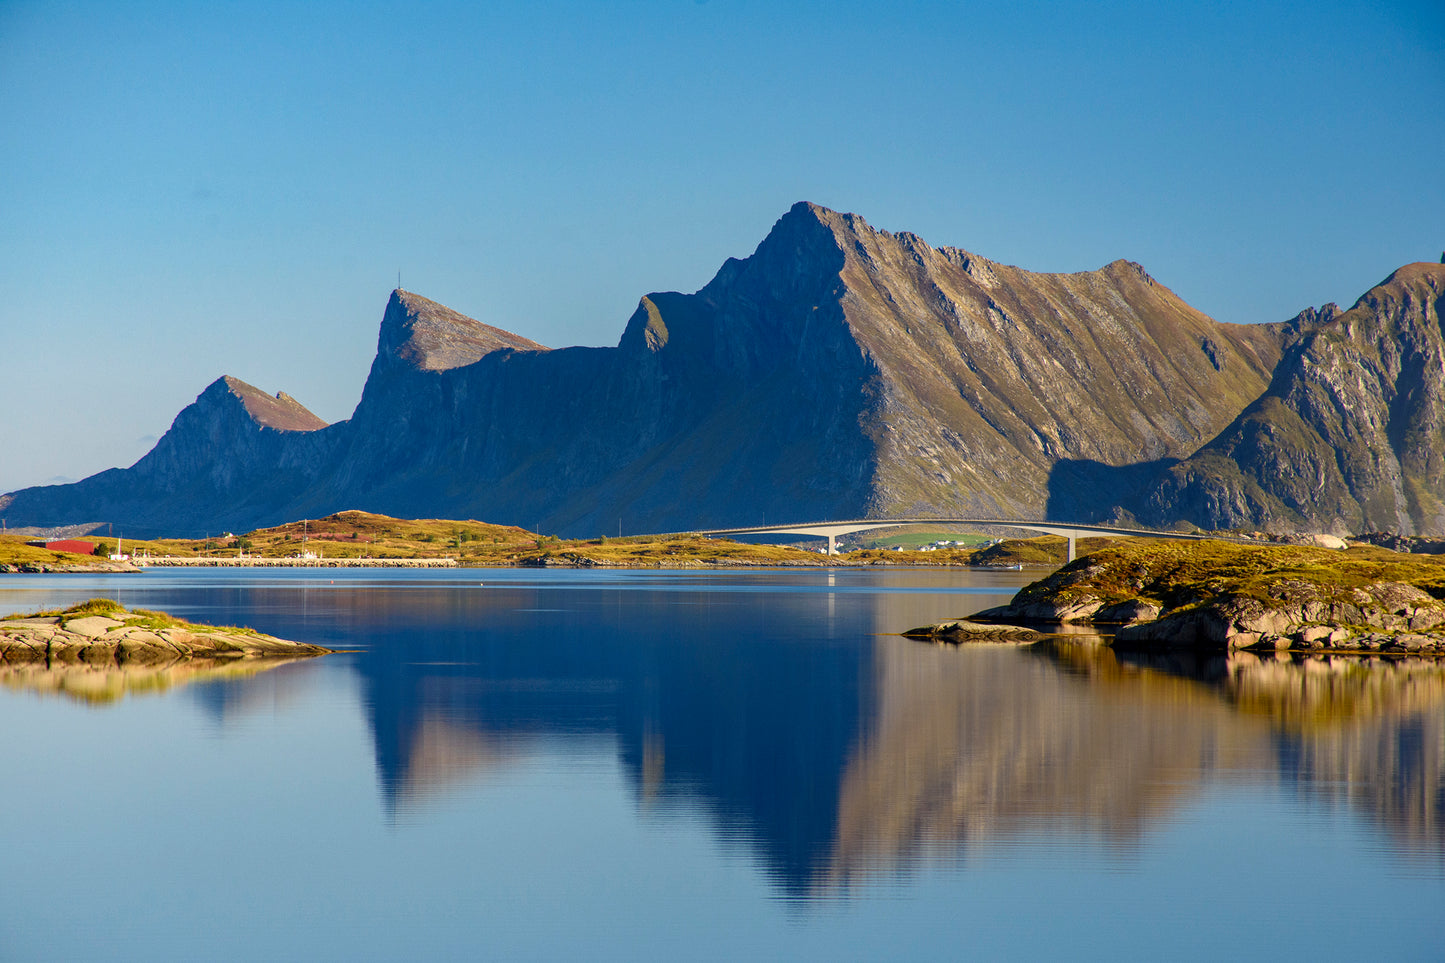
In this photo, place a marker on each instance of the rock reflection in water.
(1369, 732)
(974, 745)
(108, 683)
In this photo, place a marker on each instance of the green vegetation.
(136, 618)
(911, 539)
(14, 551)
(350, 535)
(1177, 574)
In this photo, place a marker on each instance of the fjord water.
(715, 765)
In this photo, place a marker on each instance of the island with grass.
(103, 632)
(1219, 596)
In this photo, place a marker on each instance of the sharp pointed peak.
(428, 335)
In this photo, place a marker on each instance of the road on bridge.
(1069, 530)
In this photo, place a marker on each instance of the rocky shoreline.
(57, 568)
(103, 632)
(1217, 596)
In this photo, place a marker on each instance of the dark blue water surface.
(518, 764)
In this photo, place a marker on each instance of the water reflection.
(1367, 731)
(104, 684)
(981, 744)
(836, 755)
(770, 704)
(744, 708)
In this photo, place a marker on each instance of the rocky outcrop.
(962, 630)
(1222, 596)
(1402, 543)
(1295, 615)
(115, 636)
(1350, 435)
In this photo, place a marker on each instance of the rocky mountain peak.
(281, 412)
(423, 334)
(1350, 435)
(646, 330)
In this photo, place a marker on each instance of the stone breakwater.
(1215, 596)
(180, 561)
(122, 637)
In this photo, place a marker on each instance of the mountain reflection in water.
(837, 755)
(976, 744)
(709, 704)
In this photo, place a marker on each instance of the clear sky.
(195, 189)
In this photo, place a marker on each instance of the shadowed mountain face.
(839, 371)
(1349, 437)
(233, 455)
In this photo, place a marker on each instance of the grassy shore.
(15, 555)
(356, 534)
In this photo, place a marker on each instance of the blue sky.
(195, 189)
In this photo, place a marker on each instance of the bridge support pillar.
(1071, 547)
(832, 545)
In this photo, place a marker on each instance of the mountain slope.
(1349, 437)
(232, 455)
(991, 375)
(839, 371)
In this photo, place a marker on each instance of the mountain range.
(840, 371)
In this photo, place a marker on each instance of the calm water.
(730, 765)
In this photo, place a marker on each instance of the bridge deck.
(1069, 530)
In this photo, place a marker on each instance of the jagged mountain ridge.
(1350, 435)
(838, 371)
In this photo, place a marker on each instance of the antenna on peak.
(398, 279)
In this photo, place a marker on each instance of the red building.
(71, 545)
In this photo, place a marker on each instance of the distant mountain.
(233, 455)
(838, 371)
(1350, 435)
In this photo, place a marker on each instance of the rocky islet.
(96, 633)
(1218, 596)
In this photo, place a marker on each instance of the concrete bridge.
(1069, 530)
